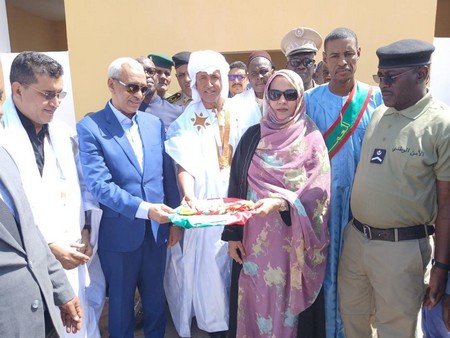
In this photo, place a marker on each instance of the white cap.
(301, 40)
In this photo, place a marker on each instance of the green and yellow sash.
(348, 119)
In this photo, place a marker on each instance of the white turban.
(208, 61)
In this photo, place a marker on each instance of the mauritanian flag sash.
(348, 119)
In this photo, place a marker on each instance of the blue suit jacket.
(113, 175)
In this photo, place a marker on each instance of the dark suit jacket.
(112, 174)
(30, 275)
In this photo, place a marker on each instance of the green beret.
(405, 53)
(161, 60)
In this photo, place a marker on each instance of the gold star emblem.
(200, 121)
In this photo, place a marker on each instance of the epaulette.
(173, 98)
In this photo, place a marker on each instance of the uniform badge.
(173, 98)
(378, 156)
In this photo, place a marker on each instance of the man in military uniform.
(163, 75)
(152, 102)
(300, 46)
(401, 195)
(183, 97)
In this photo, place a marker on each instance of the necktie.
(7, 218)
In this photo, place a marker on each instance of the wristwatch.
(87, 227)
(440, 265)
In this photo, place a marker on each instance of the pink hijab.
(291, 162)
(270, 119)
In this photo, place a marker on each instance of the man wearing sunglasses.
(400, 197)
(300, 46)
(237, 78)
(45, 151)
(341, 110)
(128, 172)
(152, 102)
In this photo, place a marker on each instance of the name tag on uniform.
(378, 156)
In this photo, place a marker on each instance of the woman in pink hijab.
(283, 165)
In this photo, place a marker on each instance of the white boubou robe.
(247, 108)
(55, 198)
(197, 278)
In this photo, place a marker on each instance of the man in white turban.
(202, 142)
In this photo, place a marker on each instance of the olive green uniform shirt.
(403, 154)
(180, 99)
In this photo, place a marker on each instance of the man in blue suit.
(127, 170)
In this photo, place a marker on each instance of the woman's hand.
(265, 206)
(233, 247)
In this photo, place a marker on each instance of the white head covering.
(208, 61)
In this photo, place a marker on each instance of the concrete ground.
(139, 333)
(172, 333)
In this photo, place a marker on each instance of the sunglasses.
(389, 79)
(133, 88)
(238, 77)
(49, 95)
(294, 63)
(289, 95)
(150, 71)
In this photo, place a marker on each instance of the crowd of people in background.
(349, 234)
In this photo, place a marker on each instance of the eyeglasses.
(289, 94)
(294, 63)
(49, 95)
(389, 79)
(238, 77)
(262, 72)
(149, 71)
(161, 72)
(133, 88)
